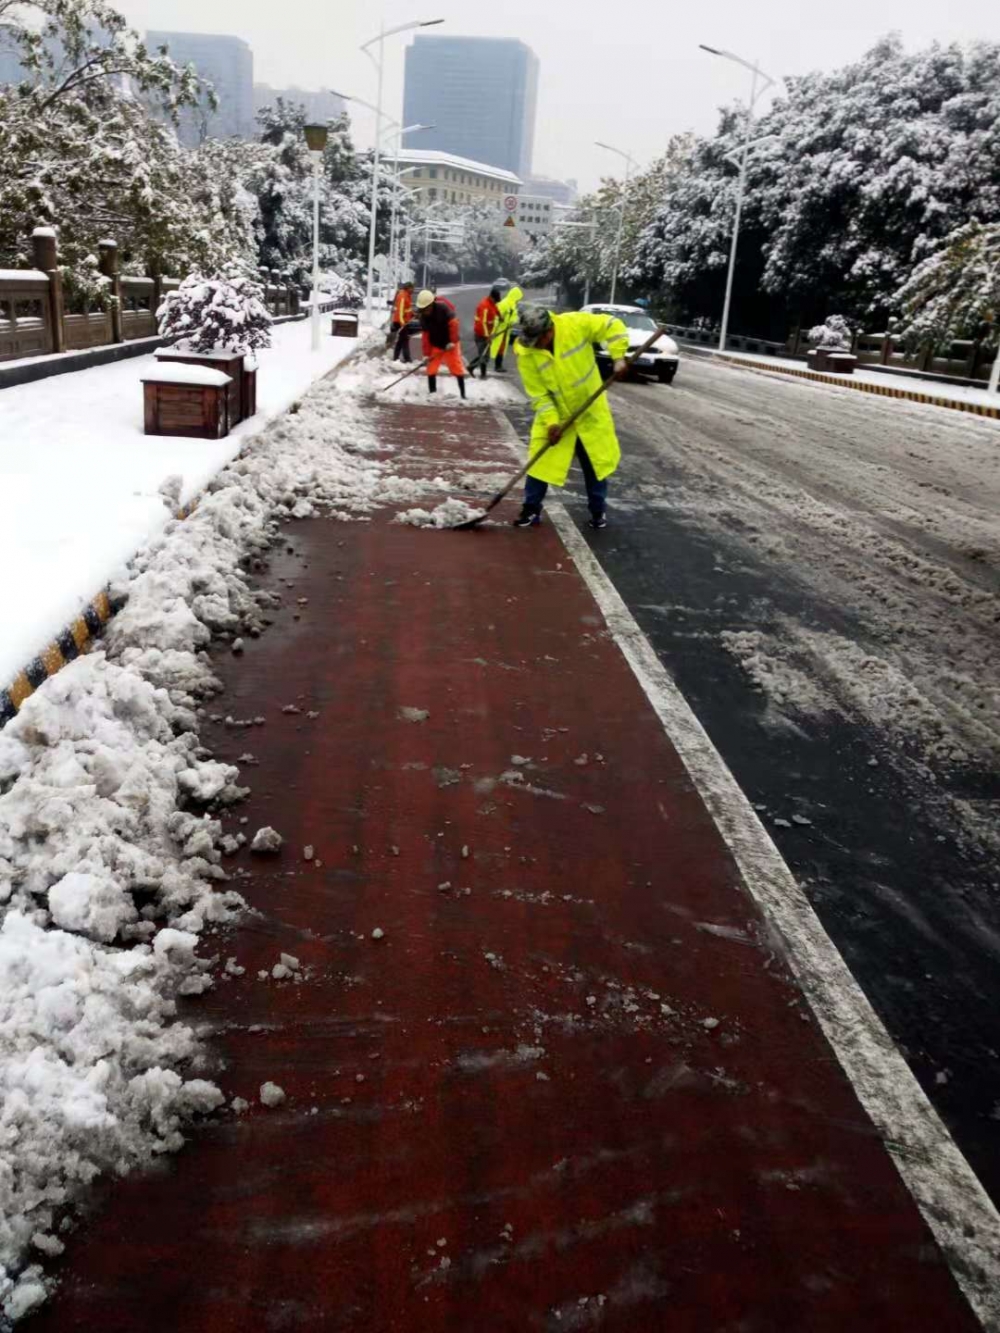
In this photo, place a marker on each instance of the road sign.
(510, 222)
(510, 203)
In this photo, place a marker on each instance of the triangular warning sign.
(509, 222)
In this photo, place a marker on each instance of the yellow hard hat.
(425, 299)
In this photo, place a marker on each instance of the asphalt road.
(820, 572)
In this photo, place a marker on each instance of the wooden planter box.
(832, 361)
(249, 391)
(187, 400)
(344, 324)
(229, 363)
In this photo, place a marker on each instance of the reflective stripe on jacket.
(402, 307)
(559, 381)
(507, 310)
(487, 316)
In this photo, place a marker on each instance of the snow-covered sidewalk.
(892, 385)
(79, 481)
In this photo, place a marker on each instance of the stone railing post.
(45, 257)
(107, 262)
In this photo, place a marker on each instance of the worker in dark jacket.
(441, 339)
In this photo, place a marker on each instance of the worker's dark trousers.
(402, 348)
(483, 354)
(597, 491)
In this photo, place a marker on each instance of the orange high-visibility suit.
(402, 307)
(441, 338)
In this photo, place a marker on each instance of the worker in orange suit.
(402, 314)
(441, 339)
(487, 319)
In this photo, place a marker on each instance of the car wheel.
(666, 374)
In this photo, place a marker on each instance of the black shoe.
(598, 521)
(529, 517)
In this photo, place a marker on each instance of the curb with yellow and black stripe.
(66, 646)
(862, 386)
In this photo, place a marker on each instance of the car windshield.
(632, 319)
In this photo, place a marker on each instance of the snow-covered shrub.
(348, 294)
(834, 334)
(225, 311)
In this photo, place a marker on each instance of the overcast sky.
(629, 74)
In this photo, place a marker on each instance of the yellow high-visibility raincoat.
(507, 310)
(559, 381)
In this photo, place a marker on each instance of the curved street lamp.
(378, 63)
(756, 75)
(629, 164)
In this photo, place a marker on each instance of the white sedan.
(663, 357)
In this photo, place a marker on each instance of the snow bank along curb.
(859, 386)
(72, 640)
(110, 845)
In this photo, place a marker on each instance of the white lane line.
(947, 1191)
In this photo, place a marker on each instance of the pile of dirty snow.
(367, 376)
(110, 862)
(448, 514)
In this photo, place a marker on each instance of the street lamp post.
(756, 74)
(629, 164)
(316, 136)
(380, 39)
(397, 192)
(397, 176)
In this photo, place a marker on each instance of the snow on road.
(884, 511)
(80, 483)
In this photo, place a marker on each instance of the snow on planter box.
(345, 324)
(184, 399)
(221, 358)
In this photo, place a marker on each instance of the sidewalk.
(958, 397)
(571, 1086)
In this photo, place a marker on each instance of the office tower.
(480, 95)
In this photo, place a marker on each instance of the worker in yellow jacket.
(506, 318)
(555, 355)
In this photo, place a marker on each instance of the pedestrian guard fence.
(965, 359)
(35, 321)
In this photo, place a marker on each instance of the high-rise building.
(319, 104)
(479, 93)
(227, 64)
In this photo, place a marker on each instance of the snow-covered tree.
(567, 256)
(78, 147)
(869, 168)
(955, 292)
(224, 311)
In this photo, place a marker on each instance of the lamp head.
(316, 137)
